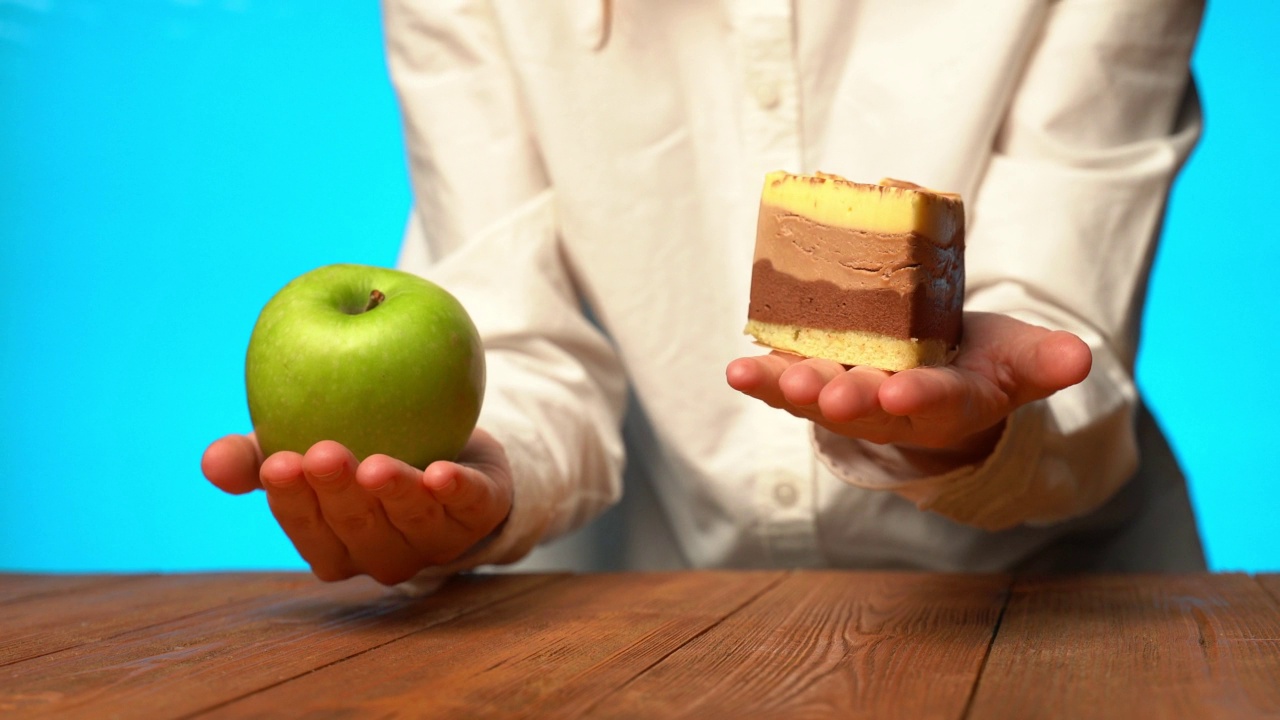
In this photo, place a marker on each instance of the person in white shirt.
(585, 178)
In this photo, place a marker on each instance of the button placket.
(785, 504)
(767, 93)
(785, 493)
(771, 137)
(771, 119)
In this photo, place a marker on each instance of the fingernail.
(284, 482)
(328, 477)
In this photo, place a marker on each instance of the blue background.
(166, 166)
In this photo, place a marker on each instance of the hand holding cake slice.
(857, 273)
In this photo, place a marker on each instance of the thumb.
(1054, 361)
(232, 462)
(484, 453)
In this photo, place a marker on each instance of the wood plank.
(14, 586)
(831, 644)
(44, 624)
(1199, 646)
(553, 653)
(1271, 582)
(198, 662)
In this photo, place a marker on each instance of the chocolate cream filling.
(781, 299)
(903, 285)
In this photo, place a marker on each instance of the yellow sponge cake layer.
(851, 347)
(893, 207)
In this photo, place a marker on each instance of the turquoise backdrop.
(165, 166)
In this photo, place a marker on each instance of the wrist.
(973, 449)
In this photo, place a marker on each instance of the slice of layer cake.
(856, 273)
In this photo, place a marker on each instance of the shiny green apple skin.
(403, 378)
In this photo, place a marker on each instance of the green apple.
(379, 360)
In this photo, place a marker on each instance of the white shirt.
(586, 177)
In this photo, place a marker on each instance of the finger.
(375, 546)
(852, 395)
(231, 463)
(407, 503)
(1057, 360)
(296, 509)
(758, 376)
(802, 383)
(483, 451)
(1027, 362)
(931, 391)
(468, 496)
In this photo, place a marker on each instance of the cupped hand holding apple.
(379, 517)
(364, 387)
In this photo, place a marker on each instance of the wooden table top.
(704, 644)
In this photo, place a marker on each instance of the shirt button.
(767, 94)
(786, 494)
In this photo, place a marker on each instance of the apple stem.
(375, 299)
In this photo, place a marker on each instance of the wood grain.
(830, 644)
(1134, 647)
(19, 587)
(197, 662)
(47, 622)
(693, 644)
(552, 653)
(1272, 584)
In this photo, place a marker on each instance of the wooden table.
(786, 644)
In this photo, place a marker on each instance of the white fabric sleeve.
(1061, 235)
(485, 228)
